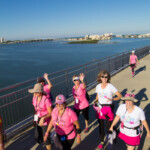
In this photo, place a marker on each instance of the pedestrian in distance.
(65, 124)
(132, 118)
(133, 60)
(1, 135)
(46, 87)
(104, 103)
(81, 103)
(43, 109)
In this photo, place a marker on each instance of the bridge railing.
(16, 102)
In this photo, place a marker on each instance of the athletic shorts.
(39, 134)
(84, 111)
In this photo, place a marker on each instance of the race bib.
(77, 101)
(36, 117)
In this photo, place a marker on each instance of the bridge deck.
(123, 81)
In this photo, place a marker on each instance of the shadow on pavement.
(140, 69)
(141, 96)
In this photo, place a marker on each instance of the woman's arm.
(50, 126)
(41, 122)
(137, 61)
(118, 94)
(146, 127)
(48, 81)
(81, 77)
(96, 98)
(78, 130)
(116, 120)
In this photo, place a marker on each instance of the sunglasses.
(104, 77)
(75, 80)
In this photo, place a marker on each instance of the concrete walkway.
(123, 81)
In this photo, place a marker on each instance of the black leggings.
(67, 144)
(132, 67)
(39, 134)
(85, 112)
(101, 128)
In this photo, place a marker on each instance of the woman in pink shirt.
(46, 87)
(43, 109)
(133, 62)
(66, 124)
(81, 103)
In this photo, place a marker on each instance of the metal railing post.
(85, 74)
(109, 64)
(67, 84)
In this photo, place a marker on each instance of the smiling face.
(104, 78)
(129, 104)
(60, 106)
(76, 81)
(38, 94)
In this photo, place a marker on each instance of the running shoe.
(100, 146)
(86, 130)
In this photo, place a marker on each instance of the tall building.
(2, 40)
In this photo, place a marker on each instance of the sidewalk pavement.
(124, 82)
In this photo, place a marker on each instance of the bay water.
(25, 61)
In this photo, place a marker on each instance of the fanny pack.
(134, 128)
(64, 137)
(102, 107)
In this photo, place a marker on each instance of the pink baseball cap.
(60, 99)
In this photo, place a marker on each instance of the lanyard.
(38, 105)
(58, 119)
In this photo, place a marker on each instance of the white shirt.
(130, 120)
(104, 94)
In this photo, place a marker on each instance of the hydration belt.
(134, 128)
(64, 137)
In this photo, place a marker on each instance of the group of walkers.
(65, 120)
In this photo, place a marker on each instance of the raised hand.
(81, 77)
(45, 76)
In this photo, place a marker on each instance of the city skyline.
(26, 19)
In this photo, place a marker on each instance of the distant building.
(2, 40)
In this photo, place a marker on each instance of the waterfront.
(24, 61)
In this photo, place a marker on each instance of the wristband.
(46, 134)
(78, 135)
(78, 131)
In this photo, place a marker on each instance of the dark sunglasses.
(75, 80)
(104, 76)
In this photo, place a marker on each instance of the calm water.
(24, 61)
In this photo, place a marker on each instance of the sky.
(27, 19)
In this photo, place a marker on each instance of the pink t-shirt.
(133, 59)
(79, 95)
(64, 125)
(41, 107)
(47, 90)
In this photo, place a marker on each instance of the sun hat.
(76, 78)
(133, 51)
(38, 87)
(60, 99)
(130, 97)
(40, 79)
